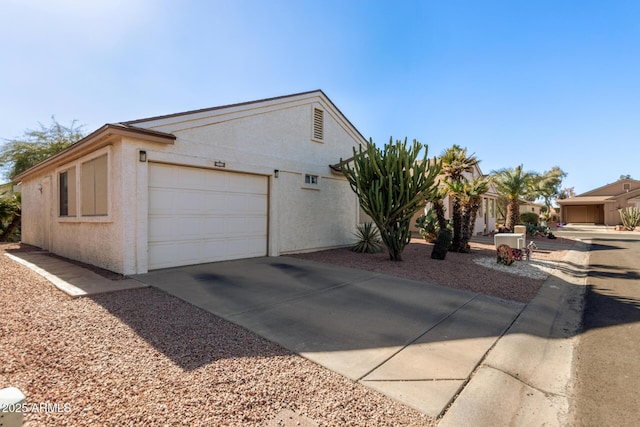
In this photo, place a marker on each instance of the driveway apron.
(414, 342)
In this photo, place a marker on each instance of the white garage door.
(201, 215)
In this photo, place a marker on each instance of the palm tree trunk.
(464, 232)
(513, 214)
(457, 225)
(474, 215)
(438, 207)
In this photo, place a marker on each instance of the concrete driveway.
(414, 342)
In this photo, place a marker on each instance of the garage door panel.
(171, 254)
(248, 184)
(251, 226)
(200, 215)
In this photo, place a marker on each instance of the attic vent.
(318, 124)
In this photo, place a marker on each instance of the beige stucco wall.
(310, 219)
(94, 240)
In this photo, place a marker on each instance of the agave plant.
(368, 239)
(630, 217)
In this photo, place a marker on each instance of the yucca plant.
(368, 239)
(630, 217)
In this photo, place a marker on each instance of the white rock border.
(534, 269)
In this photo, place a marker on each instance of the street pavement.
(607, 374)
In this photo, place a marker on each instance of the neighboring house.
(230, 182)
(600, 206)
(6, 189)
(486, 219)
(527, 206)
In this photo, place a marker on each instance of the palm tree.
(455, 163)
(473, 191)
(513, 183)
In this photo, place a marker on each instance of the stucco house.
(486, 219)
(527, 206)
(230, 182)
(600, 206)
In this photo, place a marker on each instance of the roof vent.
(318, 124)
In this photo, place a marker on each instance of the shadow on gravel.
(189, 336)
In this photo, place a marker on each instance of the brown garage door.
(592, 214)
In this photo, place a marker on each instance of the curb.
(527, 378)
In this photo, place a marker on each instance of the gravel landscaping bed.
(517, 282)
(142, 357)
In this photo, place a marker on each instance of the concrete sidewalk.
(70, 278)
(414, 342)
(527, 378)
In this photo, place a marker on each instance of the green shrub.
(529, 218)
(533, 230)
(368, 239)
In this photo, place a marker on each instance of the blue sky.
(538, 83)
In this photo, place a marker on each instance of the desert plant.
(10, 211)
(529, 218)
(513, 184)
(427, 225)
(368, 239)
(437, 204)
(534, 230)
(474, 189)
(441, 247)
(630, 217)
(455, 163)
(392, 186)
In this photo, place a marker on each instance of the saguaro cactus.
(392, 185)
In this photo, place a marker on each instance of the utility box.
(11, 399)
(513, 240)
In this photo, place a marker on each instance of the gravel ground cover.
(142, 357)
(461, 271)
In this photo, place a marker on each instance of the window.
(94, 187)
(311, 179)
(626, 187)
(67, 188)
(318, 124)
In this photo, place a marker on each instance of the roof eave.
(106, 131)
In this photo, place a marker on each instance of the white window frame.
(77, 166)
(313, 183)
